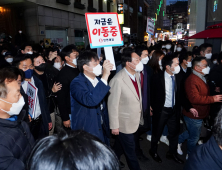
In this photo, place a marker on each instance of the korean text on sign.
(103, 30)
(32, 94)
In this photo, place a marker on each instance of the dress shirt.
(200, 75)
(37, 111)
(185, 70)
(168, 90)
(133, 77)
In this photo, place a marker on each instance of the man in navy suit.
(88, 108)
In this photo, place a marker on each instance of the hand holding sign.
(107, 67)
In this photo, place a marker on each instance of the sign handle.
(109, 56)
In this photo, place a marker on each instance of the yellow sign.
(121, 18)
(159, 29)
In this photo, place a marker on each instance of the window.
(90, 3)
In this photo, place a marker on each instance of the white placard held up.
(150, 26)
(32, 95)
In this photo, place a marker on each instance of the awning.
(213, 31)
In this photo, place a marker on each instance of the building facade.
(61, 21)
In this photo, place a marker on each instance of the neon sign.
(215, 5)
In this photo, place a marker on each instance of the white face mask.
(145, 60)
(139, 67)
(3, 53)
(179, 49)
(30, 52)
(168, 47)
(206, 70)
(160, 62)
(189, 64)
(215, 61)
(16, 107)
(74, 61)
(208, 56)
(164, 52)
(176, 70)
(9, 60)
(20, 32)
(97, 70)
(57, 65)
(163, 46)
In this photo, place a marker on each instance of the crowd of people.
(81, 103)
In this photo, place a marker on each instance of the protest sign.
(32, 95)
(103, 30)
(150, 26)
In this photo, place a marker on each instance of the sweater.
(198, 93)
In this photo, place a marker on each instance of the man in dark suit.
(41, 120)
(142, 51)
(165, 89)
(88, 107)
(65, 77)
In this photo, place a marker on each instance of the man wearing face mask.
(125, 107)
(65, 77)
(44, 73)
(88, 107)
(206, 51)
(164, 97)
(198, 93)
(16, 139)
(26, 48)
(142, 51)
(168, 47)
(41, 120)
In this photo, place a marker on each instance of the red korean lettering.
(113, 31)
(105, 31)
(96, 31)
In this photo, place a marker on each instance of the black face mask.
(41, 67)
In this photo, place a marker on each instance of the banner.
(32, 95)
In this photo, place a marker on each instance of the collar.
(133, 77)
(199, 75)
(13, 118)
(93, 81)
(70, 65)
(184, 69)
(167, 75)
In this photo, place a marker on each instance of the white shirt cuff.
(104, 81)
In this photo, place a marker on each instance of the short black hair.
(217, 129)
(197, 60)
(41, 41)
(127, 55)
(139, 49)
(168, 60)
(204, 46)
(6, 73)
(67, 50)
(85, 58)
(214, 57)
(20, 58)
(79, 150)
(183, 56)
(25, 45)
(168, 42)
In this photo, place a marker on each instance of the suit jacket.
(158, 93)
(86, 110)
(124, 104)
(184, 100)
(206, 156)
(65, 77)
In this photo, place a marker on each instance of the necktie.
(141, 79)
(173, 90)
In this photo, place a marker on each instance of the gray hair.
(217, 130)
